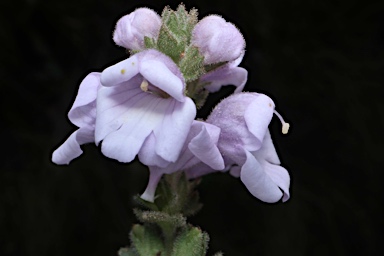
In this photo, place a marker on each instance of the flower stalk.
(176, 198)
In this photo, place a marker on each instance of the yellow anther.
(285, 127)
(144, 85)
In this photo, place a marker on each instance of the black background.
(321, 61)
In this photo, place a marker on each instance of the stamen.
(285, 127)
(144, 85)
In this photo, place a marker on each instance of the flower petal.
(198, 170)
(200, 146)
(257, 117)
(83, 111)
(70, 149)
(280, 176)
(112, 104)
(269, 159)
(132, 28)
(235, 171)
(171, 134)
(236, 76)
(267, 151)
(199, 139)
(139, 117)
(237, 61)
(120, 72)
(203, 145)
(147, 154)
(154, 178)
(217, 39)
(82, 114)
(235, 135)
(154, 66)
(257, 180)
(158, 74)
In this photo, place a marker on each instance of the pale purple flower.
(199, 147)
(228, 74)
(247, 147)
(83, 115)
(143, 96)
(217, 40)
(132, 28)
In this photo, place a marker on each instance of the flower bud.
(132, 28)
(217, 40)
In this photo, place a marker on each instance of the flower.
(83, 115)
(247, 147)
(132, 28)
(228, 74)
(143, 96)
(217, 40)
(199, 147)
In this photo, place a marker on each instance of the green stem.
(169, 236)
(176, 199)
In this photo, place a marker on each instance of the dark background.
(321, 61)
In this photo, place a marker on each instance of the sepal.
(196, 91)
(161, 218)
(212, 67)
(146, 240)
(150, 43)
(176, 31)
(191, 242)
(145, 204)
(191, 64)
(169, 45)
(178, 195)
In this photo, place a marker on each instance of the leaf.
(155, 217)
(191, 242)
(146, 240)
